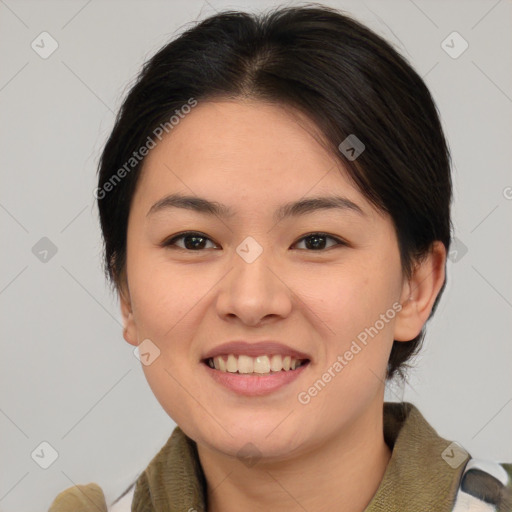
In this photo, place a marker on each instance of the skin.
(253, 157)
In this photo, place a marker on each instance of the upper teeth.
(260, 364)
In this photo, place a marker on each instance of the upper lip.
(255, 349)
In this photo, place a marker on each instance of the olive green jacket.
(425, 473)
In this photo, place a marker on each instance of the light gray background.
(70, 379)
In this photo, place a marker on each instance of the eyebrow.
(291, 209)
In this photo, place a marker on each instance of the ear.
(419, 293)
(130, 329)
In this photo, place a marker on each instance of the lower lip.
(255, 385)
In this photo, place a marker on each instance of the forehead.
(262, 152)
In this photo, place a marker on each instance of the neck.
(345, 470)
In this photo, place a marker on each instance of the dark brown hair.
(318, 60)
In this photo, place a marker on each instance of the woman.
(276, 224)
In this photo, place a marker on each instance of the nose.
(254, 292)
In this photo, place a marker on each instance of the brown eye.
(196, 241)
(318, 241)
(192, 241)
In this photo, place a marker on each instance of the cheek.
(352, 369)
(167, 305)
(349, 299)
(164, 295)
(358, 306)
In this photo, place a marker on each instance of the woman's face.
(257, 277)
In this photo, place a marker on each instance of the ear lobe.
(130, 329)
(419, 293)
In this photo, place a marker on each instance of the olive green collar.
(417, 476)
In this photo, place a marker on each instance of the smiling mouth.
(260, 365)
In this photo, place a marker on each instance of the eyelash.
(172, 241)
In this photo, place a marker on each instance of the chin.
(253, 442)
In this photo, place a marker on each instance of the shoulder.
(485, 486)
(90, 498)
(80, 498)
